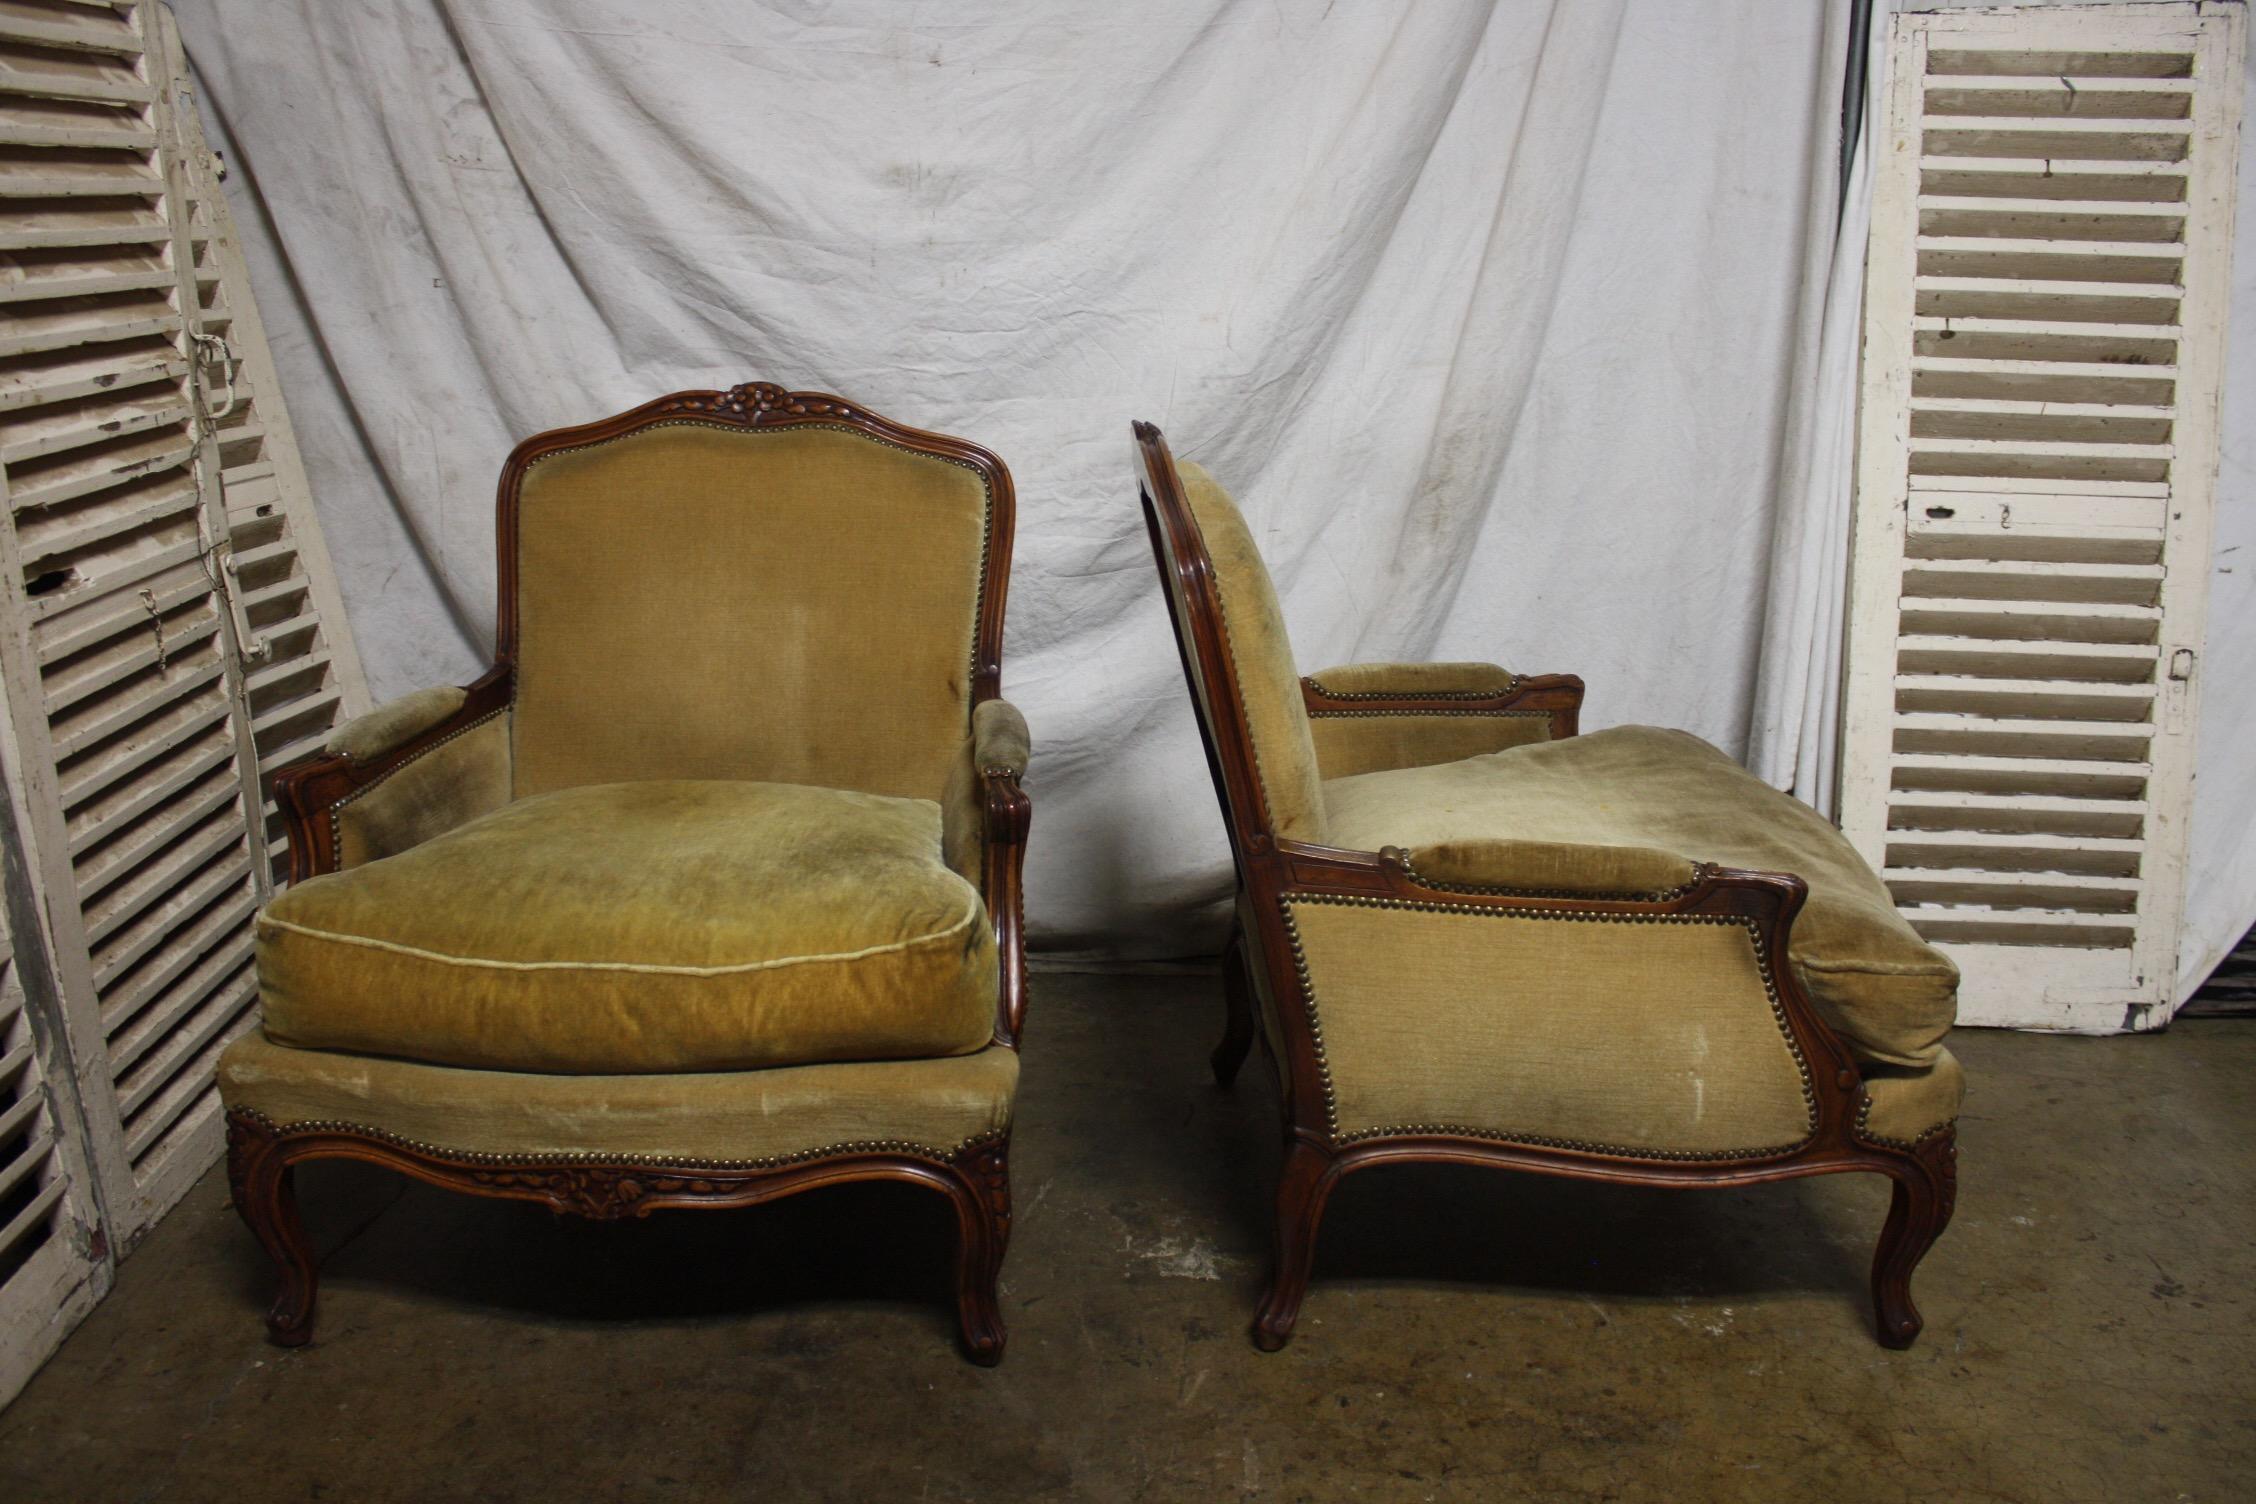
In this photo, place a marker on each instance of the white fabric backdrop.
(1509, 324)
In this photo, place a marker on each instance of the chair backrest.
(1236, 655)
(751, 584)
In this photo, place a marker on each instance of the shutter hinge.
(2175, 693)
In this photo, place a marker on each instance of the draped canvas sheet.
(1495, 316)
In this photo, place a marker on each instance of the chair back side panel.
(706, 598)
(1236, 656)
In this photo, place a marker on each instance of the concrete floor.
(1469, 1336)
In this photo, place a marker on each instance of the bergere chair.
(708, 891)
(1474, 937)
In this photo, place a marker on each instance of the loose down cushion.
(1892, 995)
(627, 927)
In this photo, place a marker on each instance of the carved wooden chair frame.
(1271, 869)
(974, 1177)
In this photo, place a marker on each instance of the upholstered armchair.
(708, 891)
(1472, 936)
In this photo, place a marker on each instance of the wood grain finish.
(261, 1157)
(1272, 869)
(261, 1160)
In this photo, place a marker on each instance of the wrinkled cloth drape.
(1503, 320)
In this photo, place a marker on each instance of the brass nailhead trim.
(1477, 715)
(1324, 1068)
(337, 810)
(625, 1161)
(986, 488)
(1864, 1117)
(1536, 1141)
(1700, 871)
(1510, 685)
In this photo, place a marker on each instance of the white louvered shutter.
(2045, 300)
(169, 629)
(54, 1259)
(300, 667)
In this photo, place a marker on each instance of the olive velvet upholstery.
(1471, 934)
(837, 650)
(1629, 810)
(691, 1117)
(716, 870)
(665, 926)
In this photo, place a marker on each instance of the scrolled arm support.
(1009, 813)
(984, 824)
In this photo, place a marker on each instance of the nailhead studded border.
(482, 1159)
(1863, 1135)
(986, 488)
(1438, 712)
(1510, 685)
(1331, 1095)
(1700, 871)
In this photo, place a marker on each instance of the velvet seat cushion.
(1870, 976)
(632, 927)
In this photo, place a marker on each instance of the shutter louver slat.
(172, 633)
(302, 672)
(121, 651)
(51, 1269)
(150, 473)
(2045, 291)
(127, 931)
(31, 1152)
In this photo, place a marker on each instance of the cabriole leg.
(1926, 1192)
(983, 1222)
(1302, 1189)
(266, 1198)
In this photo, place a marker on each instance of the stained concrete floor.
(1469, 1336)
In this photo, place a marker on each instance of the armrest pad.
(1551, 867)
(1413, 680)
(365, 738)
(999, 739)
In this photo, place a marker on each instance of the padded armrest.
(1000, 742)
(395, 723)
(1408, 681)
(984, 816)
(1551, 867)
(1376, 717)
(997, 750)
(391, 779)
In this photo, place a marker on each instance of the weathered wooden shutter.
(54, 1258)
(169, 628)
(2045, 302)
